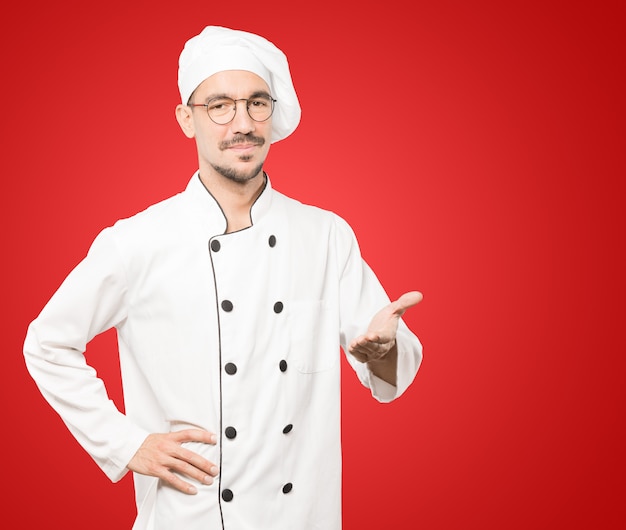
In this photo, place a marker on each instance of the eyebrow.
(224, 95)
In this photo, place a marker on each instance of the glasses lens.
(260, 108)
(221, 110)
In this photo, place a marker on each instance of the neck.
(235, 198)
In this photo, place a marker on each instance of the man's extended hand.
(162, 454)
(380, 337)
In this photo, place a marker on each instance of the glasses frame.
(206, 105)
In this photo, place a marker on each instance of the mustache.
(242, 139)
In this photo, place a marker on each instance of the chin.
(240, 175)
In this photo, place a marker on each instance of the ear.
(185, 120)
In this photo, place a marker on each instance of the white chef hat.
(217, 49)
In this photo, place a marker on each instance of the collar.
(210, 211)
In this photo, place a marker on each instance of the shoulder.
(307, 215)
(144, 231)
(159, 213)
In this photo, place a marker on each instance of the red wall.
(477, 148)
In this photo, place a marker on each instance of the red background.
(477, 148)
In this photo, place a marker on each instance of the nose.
(242, 122)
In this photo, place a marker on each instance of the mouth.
(243, 147)
(242, 144)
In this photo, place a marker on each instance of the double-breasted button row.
(231, 368)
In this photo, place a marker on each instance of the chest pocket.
(314, 336)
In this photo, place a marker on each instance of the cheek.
(208, 141)
(210, 150)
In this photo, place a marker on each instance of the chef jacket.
(236, 333)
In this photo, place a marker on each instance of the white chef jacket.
(238, 334)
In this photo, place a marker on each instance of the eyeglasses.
(222, 110)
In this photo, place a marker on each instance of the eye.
(220, 104)
(259, 102)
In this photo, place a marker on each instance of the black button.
(227, 495)
(272, 241)
(230, 432)
(215, 245)
(286, 488)
(282, 365)
(278, 307)
(231, 368)
(227, 305)
(287, 428)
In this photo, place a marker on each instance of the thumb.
(406, 301)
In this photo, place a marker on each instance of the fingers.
(370, 347)
(191, 465)
(163, 456)
(193, 435)
(173, 480)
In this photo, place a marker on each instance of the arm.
(92, 299)
(383, 351)
(89, 301)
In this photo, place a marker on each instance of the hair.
(190, 100)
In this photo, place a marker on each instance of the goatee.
(240, 177)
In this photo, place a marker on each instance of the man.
(230, 302)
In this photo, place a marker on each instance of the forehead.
(234, 83)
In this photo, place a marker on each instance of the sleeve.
(361, 296)
(89, 301)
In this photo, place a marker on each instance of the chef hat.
(217, 49)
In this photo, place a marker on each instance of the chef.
(232, 303)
